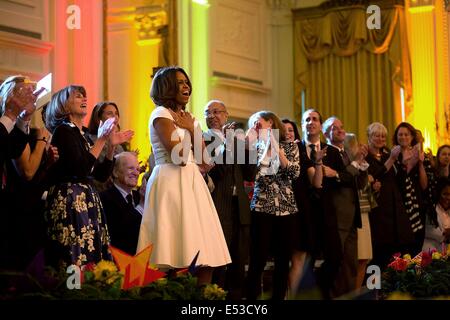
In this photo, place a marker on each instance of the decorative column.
(429, 84)
(281, 25)
(193, 17)
(134, 40)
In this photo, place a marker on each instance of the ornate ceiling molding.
(148, 17)
(150, 21)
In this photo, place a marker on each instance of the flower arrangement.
(427, 275)
(103, 281)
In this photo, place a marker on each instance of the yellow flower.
(442, 298)
(214, 292)
(407, 256)
(399, 296)
(104, 269)
(436, 255)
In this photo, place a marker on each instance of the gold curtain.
(168, 49)
(352, 72)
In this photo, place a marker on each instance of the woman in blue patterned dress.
(76, 225)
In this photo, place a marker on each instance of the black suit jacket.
(123, 221)
(224, 177)
(311, 216)
(11, 145)
(342, 193)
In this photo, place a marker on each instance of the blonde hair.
(376, 127)
(7, 88)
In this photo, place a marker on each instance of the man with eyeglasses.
(229, 196)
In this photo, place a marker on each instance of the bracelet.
(42, 139)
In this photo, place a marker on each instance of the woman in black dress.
(76, 224)
(413, 181)
(390, 227)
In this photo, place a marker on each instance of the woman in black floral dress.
(273, 204)
(76, 224)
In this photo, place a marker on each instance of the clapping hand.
(118, 137)
(105, 128)
(228, 126)
(321, 154)
(22, 102)
(52, 154)
(395, 151)
(252, 135)
(363, 150)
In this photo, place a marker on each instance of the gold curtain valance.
(343, 32)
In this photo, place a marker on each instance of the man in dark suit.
(231, 200)
(342, 211)
(120, 201)
(17, 104)
(309, 146)
(310, 218)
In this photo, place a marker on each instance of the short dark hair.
(165, 86)
(294, 125)
(313, 110)
(411, 129)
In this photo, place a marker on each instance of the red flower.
(426, 259)
(398, 264)
(89, 267)
(81, 277)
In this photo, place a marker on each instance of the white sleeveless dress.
(179, 217)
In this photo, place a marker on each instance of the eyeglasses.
(214, 113)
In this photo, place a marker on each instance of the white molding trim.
(217, 82)
(21, 42)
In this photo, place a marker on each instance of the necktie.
(313, 152)
(130, 200)
(345, 158)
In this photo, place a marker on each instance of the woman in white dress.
(179, 215)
